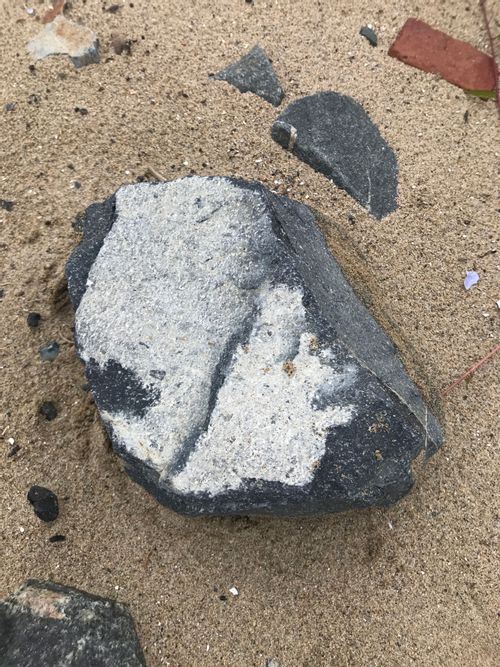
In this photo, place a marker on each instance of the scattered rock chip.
(428, 49)
(57, 538)
(254, 73)
(33, 320)
(49, 625)
(186, 323)
(50, 351)
(121, 45)
(44, 501)
(63, 37)
(333, 134)
(13, 450)
(56, 9)
(7, 204)
(369, 34)
(9, 106)
(48, 410)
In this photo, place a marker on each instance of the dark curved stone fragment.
(333, 134)
(50, 625)
(254, 73)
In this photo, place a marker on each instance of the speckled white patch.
(263, 425)
(166, 292)
(180, 272)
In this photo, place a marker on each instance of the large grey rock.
(234, 367)
(333, 134)
(49, 625)
(254, 73)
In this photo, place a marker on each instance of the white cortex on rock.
(264, 425)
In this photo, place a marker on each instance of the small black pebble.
(2, 292)
(10, 106)
(369, 34)
(466, 116)
(223, 598)
(44, 503)
(33, 320)
(13, 451)
(57, 538)
(77, 185)
(32, 69)
(7, 204)
(112, 9)
(82, 111)
(48, 410)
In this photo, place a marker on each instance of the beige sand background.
(414, 584)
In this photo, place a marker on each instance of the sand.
(414, 584)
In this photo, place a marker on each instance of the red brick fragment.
(421, 46)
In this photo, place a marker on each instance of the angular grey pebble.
(48, 410)
(233, 365)
(50, 351)
(48, 625)
(369, 34)
(333, 134)
(254, 73)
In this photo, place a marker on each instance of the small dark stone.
(254, 73)
(466, 116)
(333, 134)
(82, 111)
(49, 625)
(7, 204)
(50, 351)
(48, 410)
(223, 598)
(32, 69)
(9, 106)
(13, 451)
(112, 9)
(369, 34)
(33, 99)
(2, 293)
(44, 503)
(121, 45)
(77, 185)
(33, 320)
(57, 538)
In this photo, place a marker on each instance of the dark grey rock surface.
(254, 73)
(333, 134)
(233, 365)
(44, 503)
(48, 625)
(369, 34)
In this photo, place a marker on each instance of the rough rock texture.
(254, 73)
(65, 37)
(333, 134)
(49, 625)
(234, 367)
(44, 503)
(431, 50)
